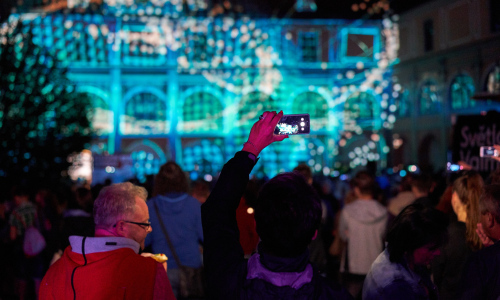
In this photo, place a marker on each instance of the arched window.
(315, 105)
(403, 103)
(102, 119)
(359, 106)
(461, 91)
(145, 113)
(202, 112)
(429, 101)
(146, 158)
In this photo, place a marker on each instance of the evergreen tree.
(43, 118)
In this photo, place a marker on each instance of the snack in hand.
(160, 257)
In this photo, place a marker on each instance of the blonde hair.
(469, 188)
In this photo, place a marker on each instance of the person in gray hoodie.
(362, 227)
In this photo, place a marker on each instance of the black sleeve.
(472, 282)
(223, 257)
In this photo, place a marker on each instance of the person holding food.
(108, 265)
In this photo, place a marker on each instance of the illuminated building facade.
(170, 85)
(449, 55)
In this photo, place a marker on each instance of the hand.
(497, 147)
(464, 165)
(262, 133)
(482, 235)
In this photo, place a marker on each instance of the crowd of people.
(294, 236)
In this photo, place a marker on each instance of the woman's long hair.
(469, 188)
(170, 178)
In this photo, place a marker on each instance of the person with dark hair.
(200, 189)
(77, 217)
(305, 171)
(404, 197)
(421, 187)
(180, 216)
(362, 226)
(462, 237)
(400, 271)
(108, 266)
(287, 214)
(481, 278)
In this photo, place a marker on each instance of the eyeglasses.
(146, 225)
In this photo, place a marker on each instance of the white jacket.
(362, 225)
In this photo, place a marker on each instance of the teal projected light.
(360, 106)
(359, 45)
(462, 89)
(256, 64)
(76, 39)
(251, 106)
(202, 112)
(402, 104)
(145, 113)
(309, 46)
(315, 105)
(429, 100)
(203, 157)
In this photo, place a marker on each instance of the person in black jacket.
(287, 215)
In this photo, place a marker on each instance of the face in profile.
(424, 255)
(141, 215)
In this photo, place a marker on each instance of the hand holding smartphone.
(293, 124)
(488, 151)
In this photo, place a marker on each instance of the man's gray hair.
(116, 202)
(490, 201)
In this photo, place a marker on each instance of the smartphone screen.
(453, 167)
(487, 151)
(293, 124)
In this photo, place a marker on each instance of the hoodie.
(105, 268)
(181, 215)
(362, 225)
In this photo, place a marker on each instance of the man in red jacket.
(108, 265)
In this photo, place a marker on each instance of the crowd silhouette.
(357, 229)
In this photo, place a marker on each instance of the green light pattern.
(309, 46)
(315, 105)
(359, 106)
(81, 38)
(202, 112)
(145, 113)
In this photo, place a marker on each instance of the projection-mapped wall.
(168, 86)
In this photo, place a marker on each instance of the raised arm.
(223, 256)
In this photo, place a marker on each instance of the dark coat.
(225, 266)
(481, 278)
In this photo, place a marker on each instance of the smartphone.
(488, 151)
(453, 167)
(293, 124)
